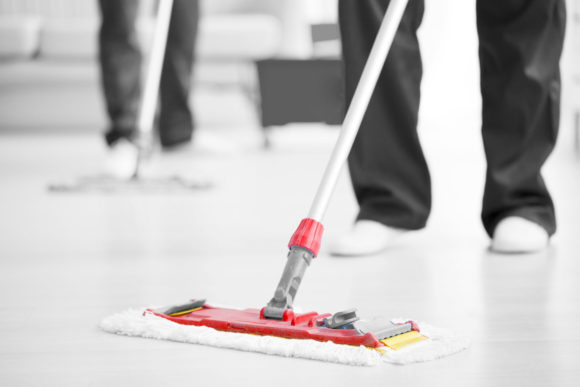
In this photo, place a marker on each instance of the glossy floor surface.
(66, 261)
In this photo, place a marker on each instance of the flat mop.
(340, 337)
(138, 182)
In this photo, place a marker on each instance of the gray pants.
(520, 43)
(121, 59)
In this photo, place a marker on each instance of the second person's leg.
(175, 120)
(120, 60)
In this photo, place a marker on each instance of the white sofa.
(229, 29)
(19, 36)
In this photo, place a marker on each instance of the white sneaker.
(121, 162)
(366, 237)
(518, 235)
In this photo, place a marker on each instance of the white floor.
(67, 261)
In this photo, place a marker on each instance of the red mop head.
(301, 326)
(313, 326)
(307, 235)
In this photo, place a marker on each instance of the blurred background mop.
(138, 180)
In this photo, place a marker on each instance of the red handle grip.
(307, 235)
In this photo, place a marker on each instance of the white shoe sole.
(515, 235)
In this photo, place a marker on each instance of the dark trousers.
(520, 42)
(120, 60)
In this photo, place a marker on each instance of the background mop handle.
(153, 75)
(358, 107)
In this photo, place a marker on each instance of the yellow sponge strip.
(404, 339)
(184, 312)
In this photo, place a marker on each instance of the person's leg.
(520, 46)
(175, 119)
(387, 167)
(120, 61)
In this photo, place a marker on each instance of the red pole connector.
(308, 235)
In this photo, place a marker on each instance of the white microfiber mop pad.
(442, 342)
(134, 323)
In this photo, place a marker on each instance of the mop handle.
(153, 75)
(358, 106)
(305, 242)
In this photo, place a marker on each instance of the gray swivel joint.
(298, 261)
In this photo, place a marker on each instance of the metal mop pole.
(358, 107)
(305, 241)
(148, 106)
